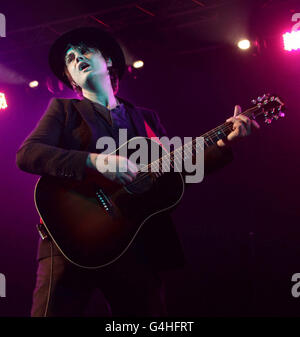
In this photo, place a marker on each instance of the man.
(63, 144)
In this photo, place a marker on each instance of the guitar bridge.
(104, 201)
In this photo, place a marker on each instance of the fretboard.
(190, 149)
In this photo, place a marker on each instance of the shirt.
(115, 119)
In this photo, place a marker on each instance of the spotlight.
(138, 64)
(33, 84)
(244, 44)
(291, 40)
(3, 104)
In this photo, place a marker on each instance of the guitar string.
(225, 127)
(211, 134)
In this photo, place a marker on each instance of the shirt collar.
(100, 107)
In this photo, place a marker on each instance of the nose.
(79, 58)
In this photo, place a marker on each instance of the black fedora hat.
(93, 36)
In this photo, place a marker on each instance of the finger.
(125, 179)
(131, 173)
(242, 129)
(238, 131)
(237, 110)
(243, 118)
(231, 119)
(122, 181)
(255, 124)
(133, 168)
(128, 177)
(246, 123)
(233, 134)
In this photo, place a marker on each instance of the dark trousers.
(130, 288)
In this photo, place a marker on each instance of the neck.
(101, 92)
(209, 138)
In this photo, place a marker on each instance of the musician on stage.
(63, 144)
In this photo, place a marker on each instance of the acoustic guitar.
(94, 221)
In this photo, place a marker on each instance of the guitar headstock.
(270, 106)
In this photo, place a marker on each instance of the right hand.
(115, 168)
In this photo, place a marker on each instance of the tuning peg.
(254, 101)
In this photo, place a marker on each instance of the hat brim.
(90, 35)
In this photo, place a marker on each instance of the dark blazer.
(59, 146)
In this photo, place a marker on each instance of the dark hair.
(113, 73)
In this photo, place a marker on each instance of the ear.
(109, 62)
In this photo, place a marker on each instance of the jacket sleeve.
(215, 157)
(41, 154)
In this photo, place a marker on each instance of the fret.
(175, 157)
(177, 163)
(223, 132)
(154, 166)
(214, 138)
(165, 163)
(187, 149)
(208, 140)
(198, 146)
(220, 134)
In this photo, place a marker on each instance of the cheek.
(74, 74)
(71, 73)
(100, 63)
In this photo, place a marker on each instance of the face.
(86, 65)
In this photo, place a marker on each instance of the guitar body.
(94, 221)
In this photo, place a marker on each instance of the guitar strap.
(150, 133)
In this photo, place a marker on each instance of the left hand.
(242, 127)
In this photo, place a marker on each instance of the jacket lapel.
(87, 113)
(136, 117)
(85, 108)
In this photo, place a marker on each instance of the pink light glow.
(3, 104)
(291, 40)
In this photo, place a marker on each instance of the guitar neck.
(210, 138)
(270, 107)
(222, 131)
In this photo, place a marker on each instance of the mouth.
(83, 66)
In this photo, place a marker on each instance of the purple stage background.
(239, 227)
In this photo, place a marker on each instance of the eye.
(83, 50)
(70, 57)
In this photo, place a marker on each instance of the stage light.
(138, 64)
(33, 84)
(291, 40)
(244, 44)
(3, 104)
